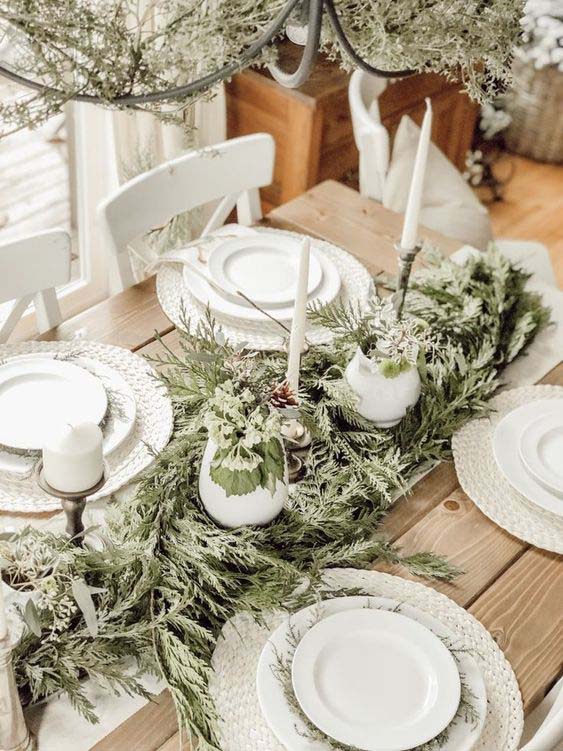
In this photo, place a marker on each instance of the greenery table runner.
(168, 578)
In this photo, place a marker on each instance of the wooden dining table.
(514, 589)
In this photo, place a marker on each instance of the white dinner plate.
(38, 393)
(223, 306)
(289, 728)
(506, 450)
(117, 425)
(264, 267)
(541, 448)
(374, 679)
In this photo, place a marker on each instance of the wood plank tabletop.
(515, 590)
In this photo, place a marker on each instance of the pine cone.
(283, 396)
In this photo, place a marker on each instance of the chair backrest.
(232, 171)
(372, 138)
(30, 270)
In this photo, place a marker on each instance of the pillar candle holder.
(73, 504)
(14, 734)
(406, 260)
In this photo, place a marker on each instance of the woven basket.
(535, 103)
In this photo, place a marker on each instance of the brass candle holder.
(73, 503)
(297, 440)
(14, 734)
(406, 260)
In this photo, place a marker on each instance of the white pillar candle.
(73, 458)
(297, 338)
(410, 226)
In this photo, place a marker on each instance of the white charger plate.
(374, 679)
(506, 451)
(117, 426)
(223, 306)
(264, 267)
(541, 448)
(290, 729)
(37, 393)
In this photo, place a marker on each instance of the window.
(55, 176)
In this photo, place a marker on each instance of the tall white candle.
(73, 458)
(410, 226)
(297, 338)
(3, 623)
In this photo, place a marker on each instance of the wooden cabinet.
(312, 125)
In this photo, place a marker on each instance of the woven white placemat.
(236, 658)
(486, 485)
(263, 335)
(153, 425)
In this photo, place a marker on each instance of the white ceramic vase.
(382, 400)
(256, 508)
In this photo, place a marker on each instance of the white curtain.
(142, 142)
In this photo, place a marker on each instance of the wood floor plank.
(146, 730)
(457, 530)
(128, 319)
(523, 611)
(340, 215)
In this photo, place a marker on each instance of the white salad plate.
(117, 425)
(374, 679)
(364, 690)
(541, 448)
(264, 267)
(223, 306)
(38, 393)
(506, 450)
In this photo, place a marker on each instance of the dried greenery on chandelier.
(116, 48)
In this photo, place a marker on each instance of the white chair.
(30, 270)
(371, 137)
(232, 172)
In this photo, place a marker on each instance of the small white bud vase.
(382, 400)
(256, 508)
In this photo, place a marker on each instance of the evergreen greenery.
(168, 577)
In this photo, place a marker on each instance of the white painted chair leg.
(249, 210)
(47, 310)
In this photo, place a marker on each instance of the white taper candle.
(410, 226)
(298, 324)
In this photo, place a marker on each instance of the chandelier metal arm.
(178, 92)
(351, 52)
(310, 52)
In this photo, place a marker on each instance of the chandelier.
(308, 14)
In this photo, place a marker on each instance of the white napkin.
(449, 205)
(57, 726)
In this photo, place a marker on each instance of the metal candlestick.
(297, 440)
(73, 504)
(406, 260)
(14, 735)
